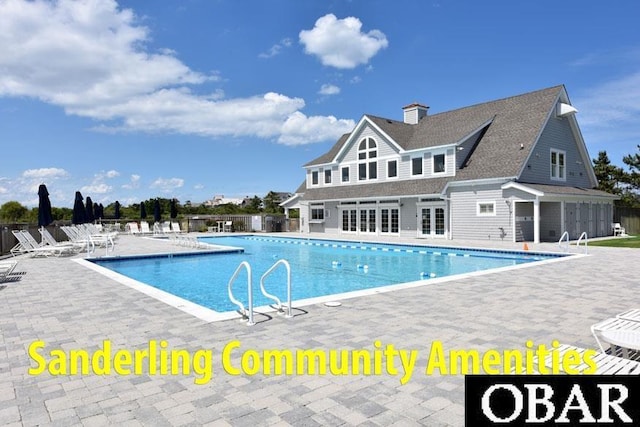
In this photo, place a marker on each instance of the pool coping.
(209, 315)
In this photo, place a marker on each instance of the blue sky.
(133, 100)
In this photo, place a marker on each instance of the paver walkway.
(70, 307)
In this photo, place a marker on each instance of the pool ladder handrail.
(566, 247)
(249, 309)
(273, 297)
(584, 234)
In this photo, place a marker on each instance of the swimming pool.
(318, 267)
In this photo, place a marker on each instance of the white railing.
(583, 235)
(273, 297)
(564, 237)
(246, 313)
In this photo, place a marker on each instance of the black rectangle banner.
(542, 400)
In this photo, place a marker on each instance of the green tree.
(608, 175)
(13, 211)
(254, 205)
(632, 178)
(272, 203)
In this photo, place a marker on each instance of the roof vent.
(564, 110)
(413, 113)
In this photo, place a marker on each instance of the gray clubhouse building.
(514, 169)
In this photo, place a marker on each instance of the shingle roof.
(515, 120)
(569, 191)
(411, 187)
(512, 121)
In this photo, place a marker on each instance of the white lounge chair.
(632, 314)
(6, 268)
(228, 226)
(175, 227)
(132, 228)
(166, 227)
(29, 245)
(48, 239)
(619, 230)
(144, 227)
(622, 335)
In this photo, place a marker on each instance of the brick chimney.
(413, 113)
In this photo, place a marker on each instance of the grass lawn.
(619, 242)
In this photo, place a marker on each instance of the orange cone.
(526, 247)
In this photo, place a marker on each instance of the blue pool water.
(318, 267)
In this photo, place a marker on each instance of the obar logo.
(520, 400)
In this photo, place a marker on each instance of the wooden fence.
(241, 223)
(629, 218)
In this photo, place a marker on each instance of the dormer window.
(439, 163)
(367, 163)
(327, 176)
(314, 178)
(345, 174)
(416, 166)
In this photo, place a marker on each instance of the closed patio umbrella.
(117, 210)
(90, 210)
(143, 211)
(44, 207)
(79, 214)
(156, 211)
(98, 211)
(173, 207)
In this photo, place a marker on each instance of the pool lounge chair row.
(187, 241)
(28, 245)
(144, 229)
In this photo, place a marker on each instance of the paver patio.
(71, 307)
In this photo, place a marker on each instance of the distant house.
(515, 169)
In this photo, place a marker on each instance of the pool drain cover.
(333, 304)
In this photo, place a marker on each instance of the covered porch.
(543, 213)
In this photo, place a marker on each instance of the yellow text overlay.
(157, 358)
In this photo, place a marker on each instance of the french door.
(432, 221)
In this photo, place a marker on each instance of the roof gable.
(511, 128)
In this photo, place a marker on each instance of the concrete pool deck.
(71, 307)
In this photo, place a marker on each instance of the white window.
(392, 169)
(367, 163)
(345, 174)
(558, 163)
(416, 166)
(486, 208)
(439, 165)
(327, 176)
(317, 213)
(314, 178)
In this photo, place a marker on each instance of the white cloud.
(134, 182)
(300, 129)
(167, 185)
(91, 58)
(96, 188)
(329, 89)
(612, 103)
(276, 49)
(609, 114)
(112, 174)
(45, 173)
(340, 43)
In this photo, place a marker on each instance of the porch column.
(563, 226)
(536, 221)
